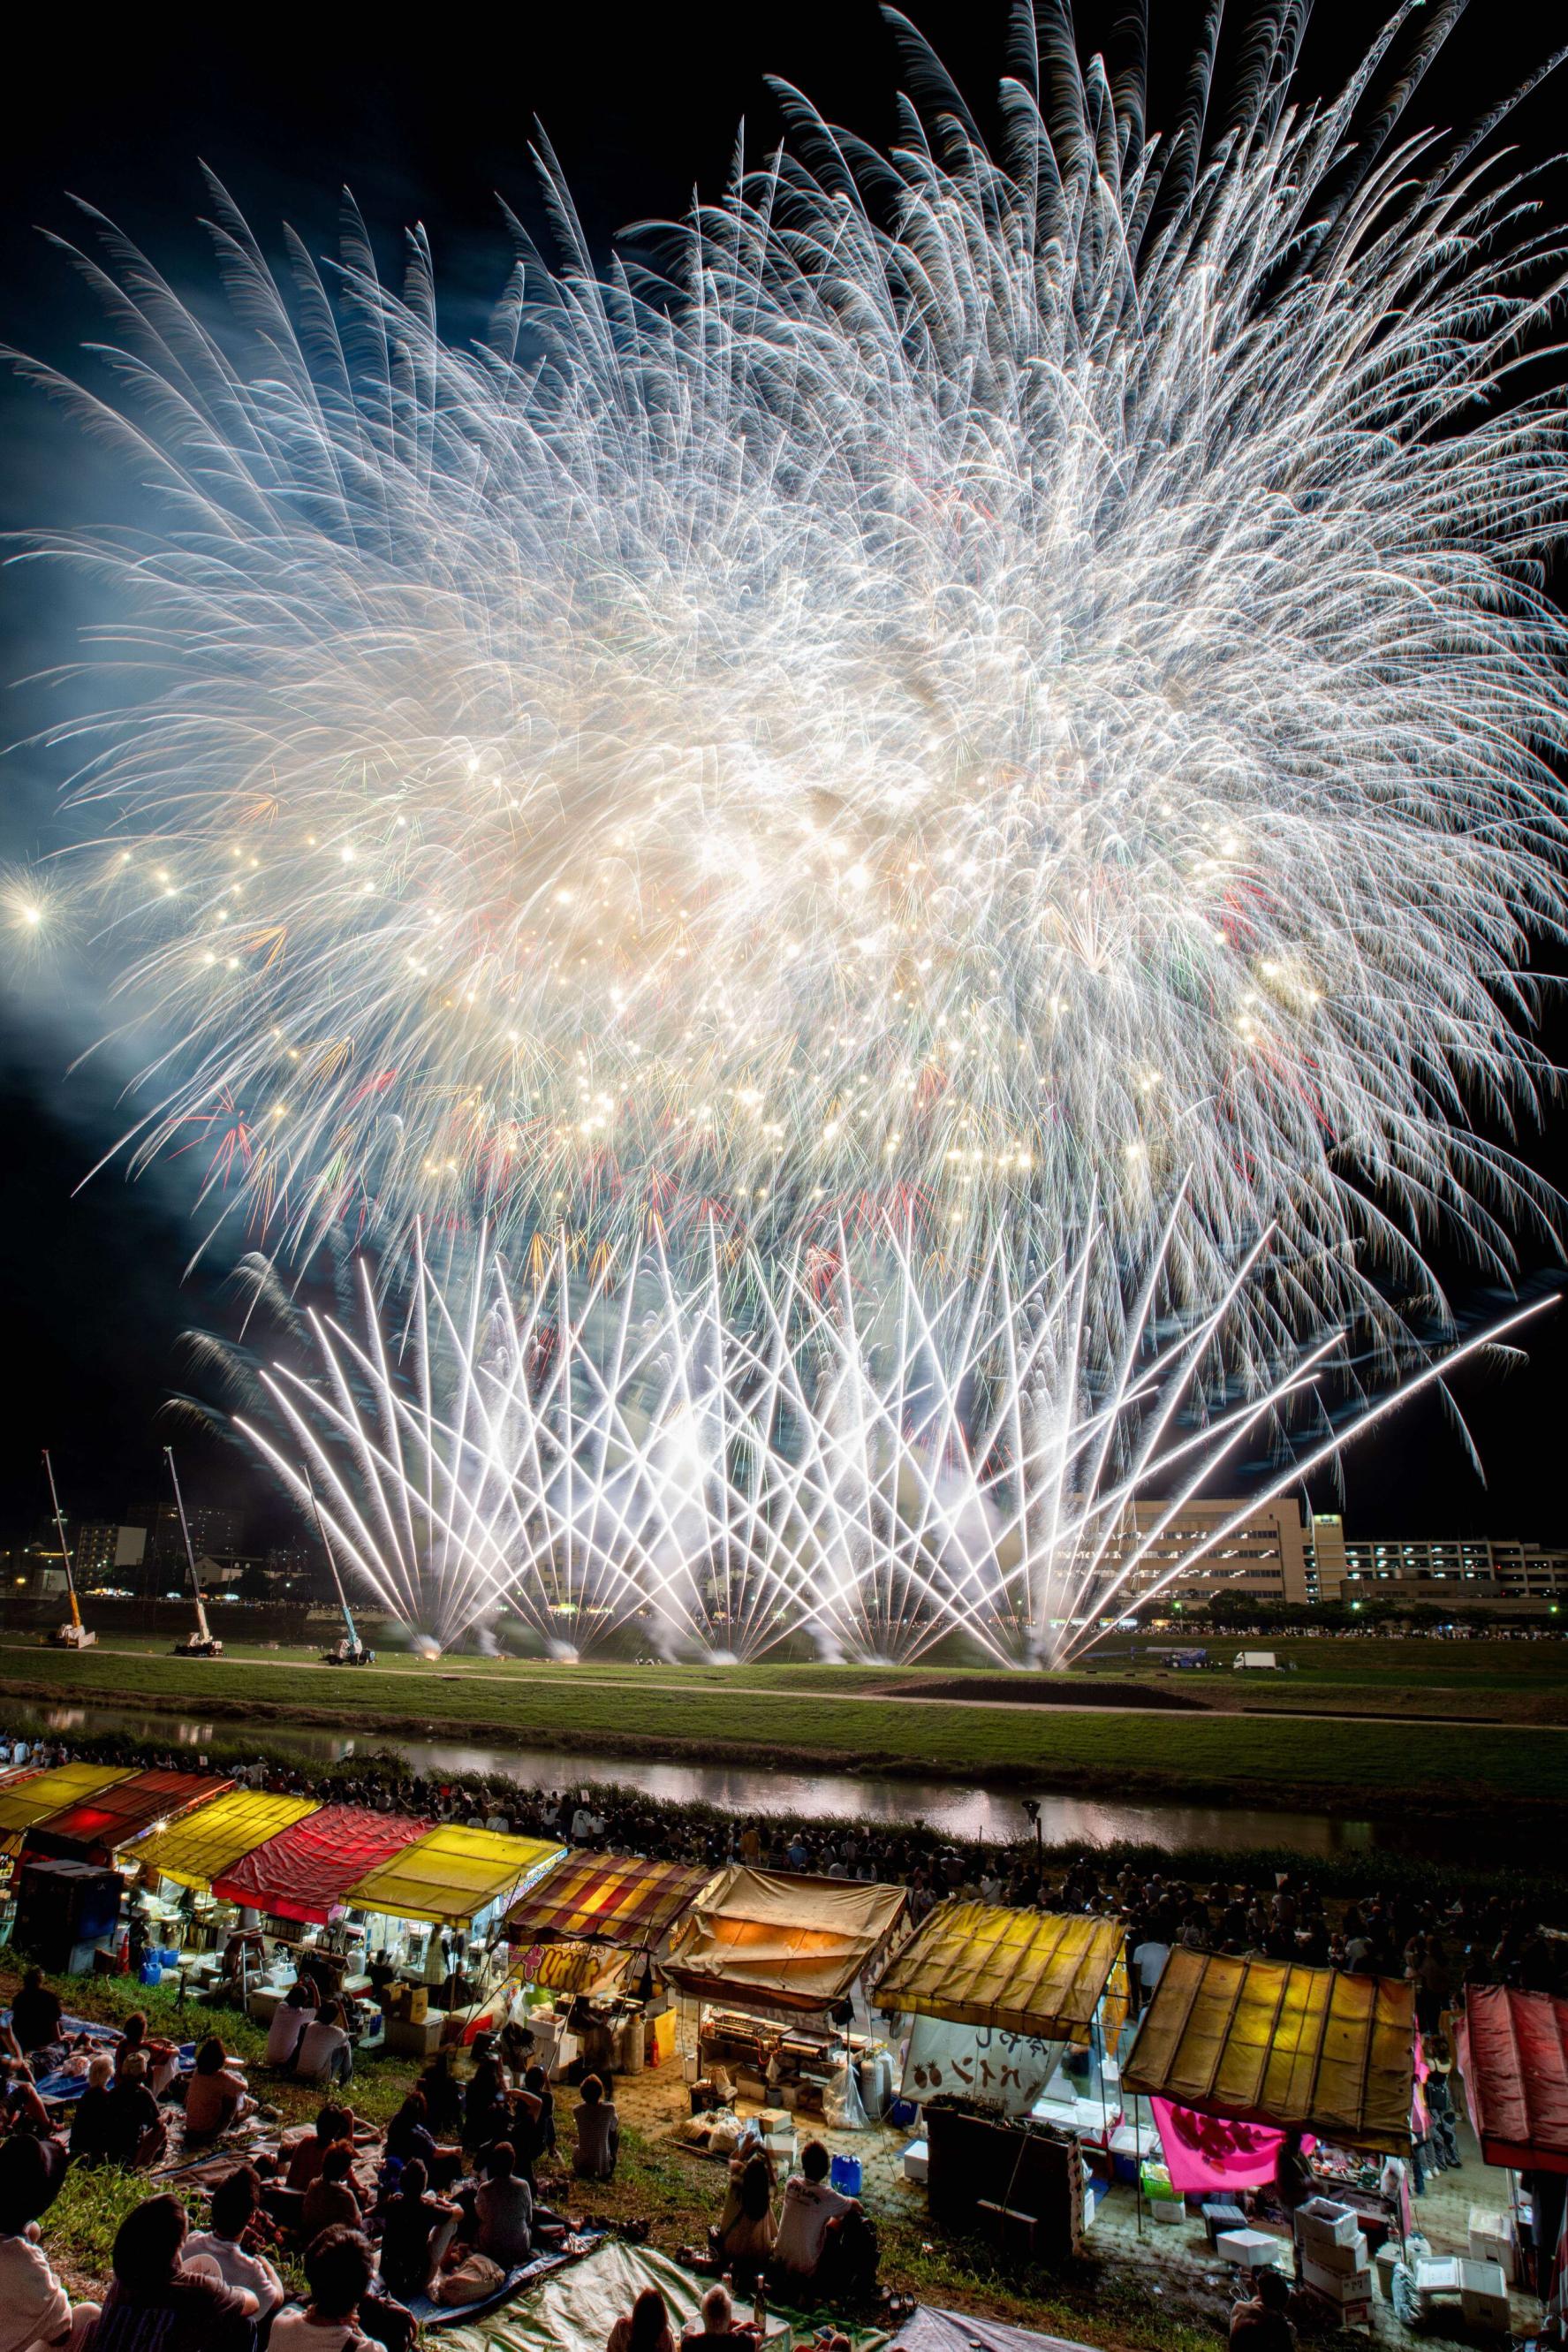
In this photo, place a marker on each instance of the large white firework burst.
(1002, 678)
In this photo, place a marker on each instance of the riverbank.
(791, 1721)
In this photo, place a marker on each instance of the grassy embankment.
(1101, 2303)
(826, 1718)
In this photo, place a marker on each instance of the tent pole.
(1138, 2163)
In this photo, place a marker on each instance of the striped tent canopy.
(1267, 2042)
(1017, 1971)
(613, 1898)
(452, 1875)
(208, 1842)
(306, 1870)
(30, 1796)
(111, 1817)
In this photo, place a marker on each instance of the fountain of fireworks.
(868, 1457)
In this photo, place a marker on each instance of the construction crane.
(75, 1636)
(351, 1650)
(203, 1642)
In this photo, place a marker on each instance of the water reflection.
(957, 1812)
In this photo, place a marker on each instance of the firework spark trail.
(1013, 676)
(871, 1473)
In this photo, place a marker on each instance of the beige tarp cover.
(598, 1969)
(1018, 1971)
(1265, 2041)
(760, 1935)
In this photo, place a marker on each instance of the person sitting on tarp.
(503, 2208)
(133, 2130)
(325, 2055)
(339, 2266)
(644, 2328)
(153, 2300)
(416, 2231)
(1259, 2324)
(216, 2095)
(237, 2201)
(409, 2137)
(36, 2013)
(289, 2019)
(811, 2205)
(717, 2329)
(332, 2201)
(744, 2240)
(307, 2156)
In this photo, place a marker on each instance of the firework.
(868, 1463)
(1007, 682)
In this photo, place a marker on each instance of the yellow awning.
(211, 1840)
(452, 1875)
(1017, 1971)
(1267, 2042)
(34, 1794)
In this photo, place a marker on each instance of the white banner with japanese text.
(1009, 2071)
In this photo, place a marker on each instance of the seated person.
(442, 2096)
(220, 2248)
(331, 2201)
(21, 2109)
(598, 2128)
(289, 2019)
(132, 2129)
(1259, 2324)
(744, 2240)
(36, 2013)
(486, 2105)
(325, 2054)
(810, 2205)
(416, 2231)
(153, 2300)
(215, 2096)
(504, 2208)
(537, 2083)
(92, 2118)
(332, 2124)
(339, 2266)
(162, 2058)
(719, 2330)
(35, 2309)
(409, 2135)
(644, 2328)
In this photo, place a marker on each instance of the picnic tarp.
(31, 1797)
(305, 1872)
(1268, 2042)
(207, 1843)
(612, 1899)
(1513, 2055)
(771, 1940)
(926, 2330)
(111, 1817)
(452, 1875)
(1030, 1972)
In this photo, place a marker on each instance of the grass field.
(838, 1718)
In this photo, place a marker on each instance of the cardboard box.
(1321, 2222)
(1483, 2295)
(1491, 2239)
(1342, 2259)
(1254, 2249)
(1337, 2287)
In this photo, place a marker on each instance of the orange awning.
(771, 1940)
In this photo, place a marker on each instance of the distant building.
(1485, 1565)
(1280, 1553)
(214, 1527)
(101, 1548)
(1266, 1556)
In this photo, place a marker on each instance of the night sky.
(431, 119)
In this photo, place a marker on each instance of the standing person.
(1292, 2175)
(36, 2311)
(598, 2128)
(339, 2266)
(153, 2301)
(234, 2203)
(810, 2204)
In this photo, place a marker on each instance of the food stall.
(1014, 2018)
(27, 1798)
(298, 1882)
(764, 1963)
(98, 1826)
(1512, 2051)
(582, 1940)
(180, 1861)
(434, 1913)
(1233, 2053)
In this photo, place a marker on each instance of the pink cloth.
(1205, 2151)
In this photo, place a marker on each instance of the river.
(945, 1805)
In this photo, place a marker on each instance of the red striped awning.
(1513, 2055)
(306, 1870)
(608, 1898)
